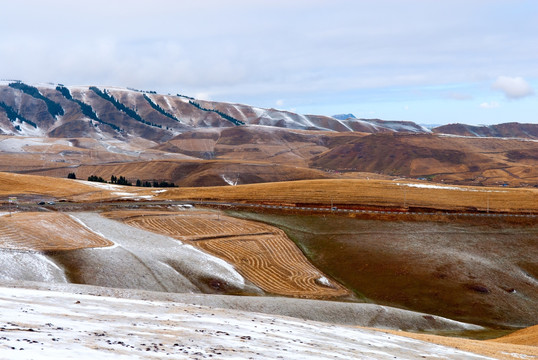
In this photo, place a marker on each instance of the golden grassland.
(369, 193)
(340, 192)
(527, 336)
(46, 231)
(261, 253)
(16, 184)
(502, 348)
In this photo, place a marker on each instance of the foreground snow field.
(39, 324)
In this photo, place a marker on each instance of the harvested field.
(46, 232)
(261, 253)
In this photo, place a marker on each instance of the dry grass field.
(46, 232)
(397, 194)
(385, 193)
(527, 336)
(261, 253)
(521, 344)
(16, 184)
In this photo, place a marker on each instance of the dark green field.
(484, 274)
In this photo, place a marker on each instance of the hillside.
(88, 327)
(507, 130)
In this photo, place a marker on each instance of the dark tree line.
(13, 115)
(119, 181)
(86, 109)
(223, 115)
(154, 183)
(185, 96)
(121, 107)
(53, 107)
(96, 179)
(123, 181)
(160, 109)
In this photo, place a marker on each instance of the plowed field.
(261, 253)
(46, 232)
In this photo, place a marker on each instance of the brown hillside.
(189, 173)
(452, 160)
(506, 130)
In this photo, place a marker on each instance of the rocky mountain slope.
(54, 130)
(89, 111)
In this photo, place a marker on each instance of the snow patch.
(324, 281)
(229, 181)
(443, 187)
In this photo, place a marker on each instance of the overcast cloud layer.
(426, 61)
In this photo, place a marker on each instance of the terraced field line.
(261, 253)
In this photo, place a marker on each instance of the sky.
(428, 61)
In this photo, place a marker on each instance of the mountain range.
(193, 142)
(55, 110)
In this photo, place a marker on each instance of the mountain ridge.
(120, 113)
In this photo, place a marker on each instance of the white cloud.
(489, 105)
(513, 87)
(279, 103)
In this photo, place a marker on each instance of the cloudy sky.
(432, 62)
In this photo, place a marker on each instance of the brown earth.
(444, 159)
(478, 273)
(261, 253)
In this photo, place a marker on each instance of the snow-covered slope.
(37, 324)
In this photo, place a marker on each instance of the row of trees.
(13, 115)
(223, 115)
(53, 107)
(160, 109)
(86, 109)
(123, 181)
(121, 107)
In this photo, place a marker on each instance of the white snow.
(485, 137)
(38, 324)
(229, 181)
(443, 187)
(324, 281)
(17, 144)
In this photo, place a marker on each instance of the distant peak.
(344, 116)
